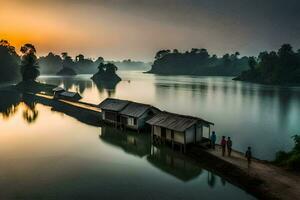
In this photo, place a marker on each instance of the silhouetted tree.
(281, 67)
(50, 64)
(29, 67)
(9, 62)
(252, 63)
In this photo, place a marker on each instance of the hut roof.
(174, 121)
(134, 109)
(113, 104)
(58, 89)
(70, 94)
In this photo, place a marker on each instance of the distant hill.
(198, 62)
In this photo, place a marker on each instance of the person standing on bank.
(248, 155)
(213, 139)
(229, 146)
(223, 145)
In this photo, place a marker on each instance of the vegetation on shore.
(290, 160)
(198, 62)
(281, 67)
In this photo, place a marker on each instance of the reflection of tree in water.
(9, 103)
(30, 112)
(110, 88)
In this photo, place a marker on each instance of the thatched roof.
(113, 104)
(175, 122)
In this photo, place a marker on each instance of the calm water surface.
(48, 155)
(264, 117)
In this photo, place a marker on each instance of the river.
(48, 155)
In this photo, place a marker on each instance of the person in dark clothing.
(248, 155)
(213, 139)
(229, 146)
(223, 145)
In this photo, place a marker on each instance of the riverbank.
(262, 179)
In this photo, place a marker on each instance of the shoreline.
(262, 180)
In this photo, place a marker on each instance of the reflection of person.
(213, 139)
(229, 146)
(248, 155)
(223, 145)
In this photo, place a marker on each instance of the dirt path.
(279, 182)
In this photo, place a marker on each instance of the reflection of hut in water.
(174, 164)
(130, 142)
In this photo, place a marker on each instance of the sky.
(137, 29)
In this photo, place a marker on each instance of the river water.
(263, 117)
(46, 154)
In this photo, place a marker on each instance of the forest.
(198, 62)
(277, 68)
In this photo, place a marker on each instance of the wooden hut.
(57, 91)
(135, 115)
(127, 114)
(110, 110)
(177, 129)
(70, 96)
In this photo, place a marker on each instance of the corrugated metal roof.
(57, 89)
(69, 94)
(174, 121)
(134, 109)
(113, 104)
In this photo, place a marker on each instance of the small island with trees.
(106, 74)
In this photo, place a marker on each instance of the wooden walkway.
(79, 104)
(281, 183)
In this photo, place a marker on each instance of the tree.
(79, 58)
(252, 63)
(67, 60)
(161, 54)
(9, 65)
(175, 51)
(29, 65)
(226, 60)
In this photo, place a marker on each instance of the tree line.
(275, 67)
(198, 62)
(31, 65)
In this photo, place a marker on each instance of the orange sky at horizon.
(49, 30)
(137, 29)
